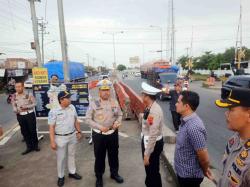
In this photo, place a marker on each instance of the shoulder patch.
(150, 120)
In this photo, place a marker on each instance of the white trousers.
(66, 147)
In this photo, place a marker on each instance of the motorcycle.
(10, 91)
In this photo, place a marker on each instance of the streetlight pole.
(152, 26)
(113, 36)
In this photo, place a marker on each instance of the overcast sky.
(214, 25)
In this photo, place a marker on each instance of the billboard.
(134, 60)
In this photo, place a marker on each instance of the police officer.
(64, 131)
(23, 105)
(104, 116)
(236, 160)
(152, 139)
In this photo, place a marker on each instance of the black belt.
(64, 134)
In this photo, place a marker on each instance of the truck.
(76, 70)
(160, 74)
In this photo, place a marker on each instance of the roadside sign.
(46, 95)
(134, 60)
(40, 76)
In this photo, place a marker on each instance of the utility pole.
(64, 45)
(35, 31)
(168, 31)
(88, 60)
(113, 36)
(172, 34)
(160, 28)
(42, 25)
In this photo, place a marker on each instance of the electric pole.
(42, 25)
(63, 39)
(35, 31)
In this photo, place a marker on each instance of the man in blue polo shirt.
(191, 156)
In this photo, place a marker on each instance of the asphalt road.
(212, 117)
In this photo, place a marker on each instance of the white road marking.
(123, 135)
(4, 140)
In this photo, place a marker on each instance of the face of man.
(237, 118)
(65, 102)
(178, 88)
(54, 79)
(19, 87)
(181, 108)
(104, 94)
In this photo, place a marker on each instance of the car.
(28, 83)
(101, 77)
(239, 81)
(137, 74)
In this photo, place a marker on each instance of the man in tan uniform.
(152, 139)
(104, 116)
(23, 105)
(236, 160)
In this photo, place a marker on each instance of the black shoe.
(60, 182)
(1, 167)
(99, 182)
(27, 151)
(75, 176)
(117, 178)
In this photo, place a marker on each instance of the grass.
(199, 77)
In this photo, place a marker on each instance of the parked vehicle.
(161, 75)
(242, 81)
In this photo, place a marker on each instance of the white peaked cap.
(150, 90)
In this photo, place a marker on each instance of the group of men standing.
(104, 117)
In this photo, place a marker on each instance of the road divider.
(123, 99)
(136, 105)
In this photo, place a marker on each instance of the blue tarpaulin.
(76, 70)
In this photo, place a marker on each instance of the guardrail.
(123, 99)
(136, 104)
(92, 84)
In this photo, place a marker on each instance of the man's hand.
(53, 145)
(79, 135)
(103, 129)
(209, 174)
(146, 160)
(116, 125)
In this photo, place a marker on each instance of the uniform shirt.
(103, 113)
(23, 100)
(63, 119)
(192, 137)
(236, 163)
(174, 98)
(152, 127)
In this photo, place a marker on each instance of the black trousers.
(189, 182)
(176, 119)
(28, 129)
(153, 176)
(103, 144)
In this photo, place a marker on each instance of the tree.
(182, 61)
(121, 67)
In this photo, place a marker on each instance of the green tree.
(121, 67)
(182, 61)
